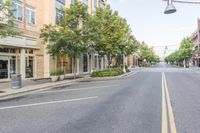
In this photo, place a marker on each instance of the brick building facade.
(26, 54)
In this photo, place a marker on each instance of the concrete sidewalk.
(32, 85)
(7, 92)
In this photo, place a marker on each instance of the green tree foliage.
(110, 33)
(146, 53)
(70, 37)
(183, 54)
(6, 22)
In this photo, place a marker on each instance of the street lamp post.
(171, 8)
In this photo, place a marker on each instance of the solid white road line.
(164, 110)
(77, 89)
(46, 103)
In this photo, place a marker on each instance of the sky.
(151, 25)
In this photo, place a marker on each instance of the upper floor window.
(17, 10)
(61, 1)
(85, 2)
(1, 3)
(101, 3)
(30, 15)
(74, 1)
(59, 16)
(94, 4)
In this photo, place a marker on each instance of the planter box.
(54, 78)
(62, 77)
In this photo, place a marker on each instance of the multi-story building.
(26, 54)
(196, 40)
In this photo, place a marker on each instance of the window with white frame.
(1, 3)
(59, 16)
(85, 2)
(94, 5)
(74, 1)
(17, 10)
(61, 1)
(101, 3)
(30, 15)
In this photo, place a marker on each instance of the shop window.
(12, 50)
(3, 67)
(29, 51)
(29, 67)
(4, 50)
(12, 65)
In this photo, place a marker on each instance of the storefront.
(16, 61)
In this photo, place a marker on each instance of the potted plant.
(61, 74)
(54, 76)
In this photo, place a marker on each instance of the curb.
(20, 93)
(37, 89)
(108, 78)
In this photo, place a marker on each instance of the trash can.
(16, 82)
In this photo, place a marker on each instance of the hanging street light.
(170, 7)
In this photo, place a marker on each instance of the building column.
(102, 63)
(106, 61)
(23, 63)
(97, 62)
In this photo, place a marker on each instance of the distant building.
(196, 40)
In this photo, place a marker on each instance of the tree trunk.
(74, 66)
(109, 60)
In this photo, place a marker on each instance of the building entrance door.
(3, 67)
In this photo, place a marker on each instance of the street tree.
(186, 50)
(147, 54)
(183, 54)
(6, 21)
(70, 37)
(110, 33)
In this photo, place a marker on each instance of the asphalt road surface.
(161, 99)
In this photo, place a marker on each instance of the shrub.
(58, 72)
(53, 74)
(108, 72)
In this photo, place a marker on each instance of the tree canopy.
(6, 22)
(147, 53)
(184, 53)
(110, 34)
